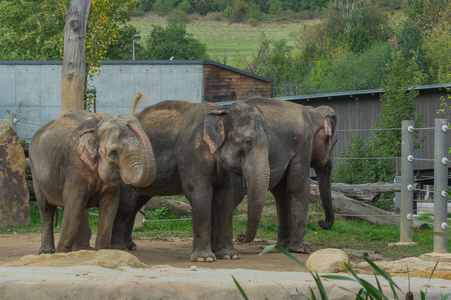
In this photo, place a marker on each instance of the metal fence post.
(440, 184)
(407, 181)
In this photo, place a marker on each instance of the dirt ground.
(175, 252)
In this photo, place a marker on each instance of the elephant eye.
(113, 154)
(247, 142)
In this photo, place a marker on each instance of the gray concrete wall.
(38, 86)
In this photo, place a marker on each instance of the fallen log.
(182, 208)
(359, 210)
(368, 192)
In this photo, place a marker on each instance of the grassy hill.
(226, 40)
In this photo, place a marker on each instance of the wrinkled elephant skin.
(80, 160)
(300, 137)
(202, 150)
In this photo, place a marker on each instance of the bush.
(355, 169)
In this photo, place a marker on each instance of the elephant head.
(236, 135)
(324, 122)
(119, 148)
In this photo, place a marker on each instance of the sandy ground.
(175, 253)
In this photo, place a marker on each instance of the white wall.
(38, 86)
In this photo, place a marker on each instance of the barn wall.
(221, 84)
(362, 111)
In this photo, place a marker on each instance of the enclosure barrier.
(441, 148)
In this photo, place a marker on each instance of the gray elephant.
(300, 137)
(202, 150)
(80, 160)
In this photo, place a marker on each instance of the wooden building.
(224, 83)
(357, 112)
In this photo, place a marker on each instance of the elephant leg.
(125, 211)
(47, 212)
(298, 195)
(75, 200)
(200, 196)
(283, 213)
(107, 211)
(84, 234)
(224, 199)
(128, 234)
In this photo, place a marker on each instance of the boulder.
(328, 261)
(14, 208)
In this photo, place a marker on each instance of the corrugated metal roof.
(357, 93)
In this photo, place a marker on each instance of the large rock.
(110, 259)
(327, 261)
(14, 208)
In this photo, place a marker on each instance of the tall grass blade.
(312, 294)
(446, 296)
(283, 251)
(320, 286)
(382, 273)
(240, 289)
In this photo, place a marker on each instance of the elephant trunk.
(256, 173)
(139, 167)
(324, 175)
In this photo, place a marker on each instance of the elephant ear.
(87, 148)
(329, 128)
(214, 133)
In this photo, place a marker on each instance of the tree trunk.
(356, 209)
(182, 208)
(368, 191)
(74, 56)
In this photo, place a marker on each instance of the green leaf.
(240, 288)
(446, 296)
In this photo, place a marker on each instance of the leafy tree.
(437, 48)
(163, 7)
(398, 103)
(145, 5)
(238, 12)
(163, 43)
(410, 42)
(31, 30)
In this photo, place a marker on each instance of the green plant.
(18, 113)
(368, 291)
(354, 168)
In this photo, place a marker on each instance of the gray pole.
(440, 184)
(407, 181)
(133, 49)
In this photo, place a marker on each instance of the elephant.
(80, 160)
(204, 151)
(300, 137)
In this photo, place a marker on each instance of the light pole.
(137, 38)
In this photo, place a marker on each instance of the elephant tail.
(138, 97)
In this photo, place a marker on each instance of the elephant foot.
(63, 249)
(298, 249)
(227, 254)
(46, 250)
(284, 243)
(203, 256)
(131, 246)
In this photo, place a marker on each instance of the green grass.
(346, 233)
(228, 42)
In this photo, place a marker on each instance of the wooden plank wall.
(363, 111)
(221, 84)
